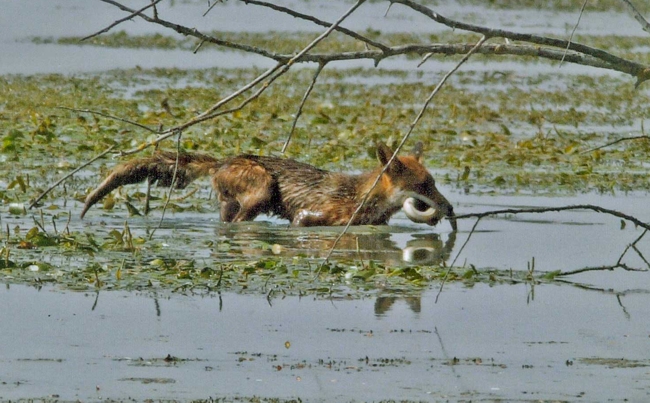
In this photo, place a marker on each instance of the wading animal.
(249, 185)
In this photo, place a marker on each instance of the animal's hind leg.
(234, 211)
(252, 204)
(245, 190)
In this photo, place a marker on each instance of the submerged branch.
(618, 265)
(599, 268)
(643, 137)
(592, 207)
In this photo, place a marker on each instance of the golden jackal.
(249, 185)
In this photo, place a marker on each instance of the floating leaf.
(17, 209)
(133, 211)
(466, 172)
(20, 182)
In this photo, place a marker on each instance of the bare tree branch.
(641, 72)
(129, 17)
(384, 51)
(645, 25)
(618, 265)
(579, 54)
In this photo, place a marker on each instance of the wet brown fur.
(249, 185)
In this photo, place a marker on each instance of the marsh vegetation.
(504, 132)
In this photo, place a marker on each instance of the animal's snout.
(430, 212)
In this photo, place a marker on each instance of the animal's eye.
(427, 184)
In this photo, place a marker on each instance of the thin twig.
(645, 25)
(582, 9)
(39, 225)
(316, 21)
(82, 166)
(171, 186)
(302, 104)
(106, 115)
(638, 252)
(444, 280)
(196, 49)
(399, 147)
(388, 9)
(646, 137)
(121, 20)
(155, 9)
(211, 7)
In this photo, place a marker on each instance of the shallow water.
(523, 341)
(482, 343)
(564, 241)
(510, 341)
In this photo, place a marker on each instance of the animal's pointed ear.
(384, 153)
(418, 151)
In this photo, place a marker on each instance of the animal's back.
(297, 186)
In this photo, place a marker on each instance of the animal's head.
(415, 187)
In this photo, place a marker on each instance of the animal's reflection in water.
(254, 241)
(383, 304)
(430, 250)
(422, 249)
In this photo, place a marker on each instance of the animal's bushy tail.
(157, 168)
